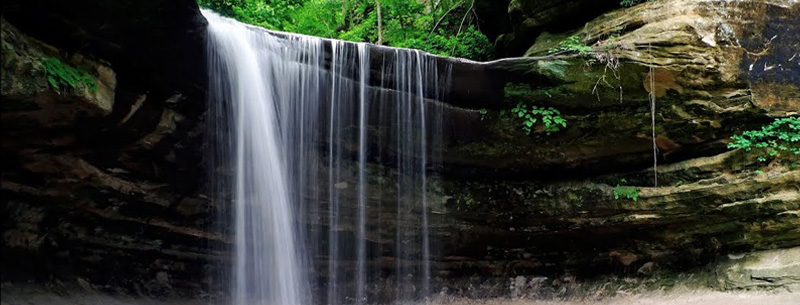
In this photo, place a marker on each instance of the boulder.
(765, 269)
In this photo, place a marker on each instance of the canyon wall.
(108, 188)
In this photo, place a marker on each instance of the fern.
(60, 75)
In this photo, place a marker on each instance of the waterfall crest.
(307, 142)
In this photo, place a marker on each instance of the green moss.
(486, 150)
(553, 69)
(660, 129)
(515, 92)
(572, 196)
(545, 42)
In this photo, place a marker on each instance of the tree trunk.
(380, 30)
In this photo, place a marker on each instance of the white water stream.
(305, 133)
(266, 268)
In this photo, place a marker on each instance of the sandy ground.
(672, 298)
(682, 298)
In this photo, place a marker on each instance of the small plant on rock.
(483, 113)
(572, 44)
(630, 192)
(779, 139)
(531, 114)
(61, 75)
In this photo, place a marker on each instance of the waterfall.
(323, 149)
(265, 260)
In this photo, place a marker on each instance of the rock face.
(579, 227)
(150, 44)
(512, 23)
(108, 186)
(103, 187)
(701, 59)
(714, 68)
(776, 268)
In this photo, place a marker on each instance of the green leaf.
(771, 141)
(59, 74)
(52, 82)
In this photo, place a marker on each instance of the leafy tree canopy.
(443, 27)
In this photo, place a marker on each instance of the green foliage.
(446, 27)
(483, 112)
(469, 43)
(224, 7)
(630, 192)
(572, 44)
(531, 114)
(61, 75)
(781, 138)
(629, 3)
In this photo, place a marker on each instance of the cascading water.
(327, 164)
(265, 257)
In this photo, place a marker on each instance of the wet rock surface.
(488, 232)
